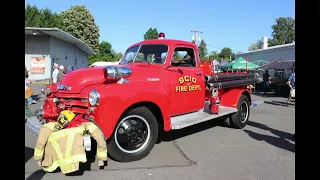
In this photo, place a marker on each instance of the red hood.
(81, 78)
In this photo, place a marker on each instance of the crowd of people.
(59, 71)
(57, 74)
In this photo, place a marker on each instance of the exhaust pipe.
(216, 78)
(227, 84)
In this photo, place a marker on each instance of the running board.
(185, 120)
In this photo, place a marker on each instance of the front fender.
(231, 97)
(116, 98)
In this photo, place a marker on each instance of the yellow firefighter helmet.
(64, 118)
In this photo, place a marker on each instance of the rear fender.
(116, 98)
(230, 98)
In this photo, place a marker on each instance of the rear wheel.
(135, 135)
(239, 119)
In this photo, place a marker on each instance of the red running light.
(161, 35)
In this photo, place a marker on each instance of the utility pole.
(196, 37)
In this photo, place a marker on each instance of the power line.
(196, 37)
(220, 48)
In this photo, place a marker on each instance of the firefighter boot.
(101, 164)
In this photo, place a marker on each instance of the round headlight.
(94, 98)
(42, 90)
(55, 100)
(47, 91)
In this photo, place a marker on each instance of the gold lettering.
(188, 87)
(184, 88)
(181, 80)
(186, 79)
(181, 88)
(177, 88)
(194, 80)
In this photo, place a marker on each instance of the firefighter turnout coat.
(64, 148)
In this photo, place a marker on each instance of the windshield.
(152, 53)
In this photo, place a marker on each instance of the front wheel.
(239, 119)
(135, 135)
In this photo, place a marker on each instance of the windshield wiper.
(131, 61)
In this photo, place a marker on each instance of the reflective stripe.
(65, 162)
(102, 154)
(69, 145)
(65, 132)
(50, 125)
(92, 127)
(57, 148)
(38, 152)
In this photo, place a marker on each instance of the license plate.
(68, 169)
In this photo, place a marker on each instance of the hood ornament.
(63, 87)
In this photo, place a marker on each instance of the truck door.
(187, 88)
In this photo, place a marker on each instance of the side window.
(183, 57)
(140, 57)
(130, 54)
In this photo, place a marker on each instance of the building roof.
(59, 34)
(269, 48)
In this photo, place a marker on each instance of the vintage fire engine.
(157, 86)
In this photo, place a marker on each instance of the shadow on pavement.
(38, 175)
(28, 154)
(90, 159)
(176, 134)
(261, 94)
(278, 103)
(282, 141)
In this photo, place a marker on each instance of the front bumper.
(34, 125)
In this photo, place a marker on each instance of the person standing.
(55, 72)
(266, 81)
(28, 90)
(27, 111)
(292, 85)
(62, 71)
(69, 69)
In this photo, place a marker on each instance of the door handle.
(198, 73)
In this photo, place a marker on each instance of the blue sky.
(225, 23)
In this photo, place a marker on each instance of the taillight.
(116, 72)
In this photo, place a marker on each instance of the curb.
(255, 103)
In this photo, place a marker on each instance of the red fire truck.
(158, 86)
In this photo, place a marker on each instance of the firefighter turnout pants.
(64, 148)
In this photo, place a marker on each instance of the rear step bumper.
(182, 121)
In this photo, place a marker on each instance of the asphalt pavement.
(263, 150)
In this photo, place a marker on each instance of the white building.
(268, 54)
(45, 46)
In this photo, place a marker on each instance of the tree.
(225, 53)
(214, 55)
(118, 56)
(152, 33)
(79, 22)
(32, 16)
(105, 48)
(41, 18)
(283, 31)
(255, 46)
(203, 51)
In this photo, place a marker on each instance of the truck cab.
(158, 86)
